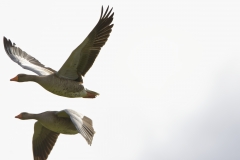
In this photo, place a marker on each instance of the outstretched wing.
(43, 141)
(82, 123)
(24, 60)
(83, 57)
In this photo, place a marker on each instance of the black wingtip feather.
(101, 12)
(109, 13)
(7, 45)
(106, 12)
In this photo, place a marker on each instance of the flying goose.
(68, 80)
(51, 123)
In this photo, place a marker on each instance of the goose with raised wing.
(51, 123)
(68, 80)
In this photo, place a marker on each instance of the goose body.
(68, 80)
(51, 123)
(59, 86)
(64, 87)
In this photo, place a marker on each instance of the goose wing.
(82, 123)
(43, 141)
(83, 57)
(25, 60)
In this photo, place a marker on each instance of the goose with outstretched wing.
(68, 80)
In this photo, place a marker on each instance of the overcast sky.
(168, 78)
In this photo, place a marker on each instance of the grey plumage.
(77, 64)
(51, 123)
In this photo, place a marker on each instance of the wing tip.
(7, 44)
(5, 40)
(107, 13)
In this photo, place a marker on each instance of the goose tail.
(91, 94)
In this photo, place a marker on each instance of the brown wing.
(43, 141)
(83, 57)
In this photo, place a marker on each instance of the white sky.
(168, 78)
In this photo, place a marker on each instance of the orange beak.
(18, 116)
(14, 79)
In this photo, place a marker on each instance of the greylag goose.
(51, 123)
(68, 80)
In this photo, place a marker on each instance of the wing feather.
(25, 60)
(43, 141)
(82, 123)
(83, 57)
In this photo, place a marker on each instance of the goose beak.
(14, 79)
(18, 116)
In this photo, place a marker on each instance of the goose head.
(23, 78)
(19, 78)
(23, 116)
